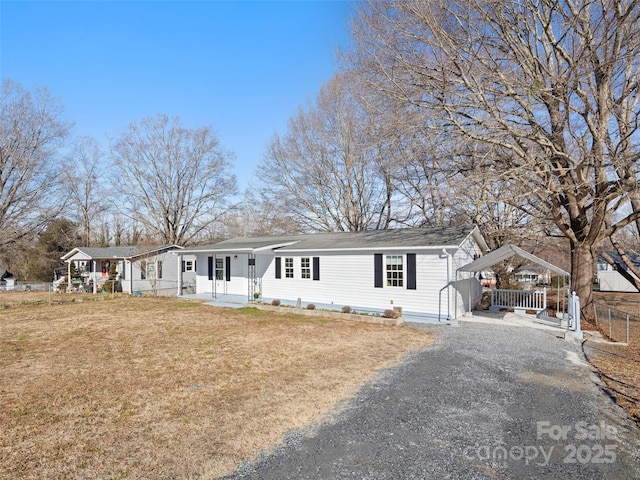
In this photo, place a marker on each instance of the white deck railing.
(519, 299)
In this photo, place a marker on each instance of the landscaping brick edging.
(330, 314)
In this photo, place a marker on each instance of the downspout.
(449, 262)
(179, 255)
(95, 280)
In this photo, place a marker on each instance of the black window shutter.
(316, 268)
(227, 268)
(378, 270)
(183, 266)
(278, 267)
(411, 271)
(210, 267)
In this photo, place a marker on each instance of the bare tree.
(326, 169)
(257, 215)
(31, 131)
(174, 181)
(554, 85)
(83, 185)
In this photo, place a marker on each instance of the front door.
(219, 274)
(221, 284)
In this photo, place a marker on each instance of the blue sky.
(242, 67)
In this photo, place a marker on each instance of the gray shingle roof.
(404, 237)
(119, 252)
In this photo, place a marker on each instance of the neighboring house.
(616, 277)
(533, 275)
(412, 268)
(7, 281)
(148, 269)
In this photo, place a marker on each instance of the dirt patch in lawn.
(163, 388)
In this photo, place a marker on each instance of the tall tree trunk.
(582, 271)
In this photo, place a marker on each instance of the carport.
(519, 300)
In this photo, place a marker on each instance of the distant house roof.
(618, 263)
(374, 239)
(6, 274)
(118, 252)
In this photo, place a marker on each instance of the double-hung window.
(395, 271)
(305, 267)
(288, 267)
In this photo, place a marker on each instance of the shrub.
(275, 302)
(390, 314)
(311, 306)
(346, 309)
(112, 286)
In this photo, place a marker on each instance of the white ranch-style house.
(415, 269)
(146, 269)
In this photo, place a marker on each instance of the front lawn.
(162, 388)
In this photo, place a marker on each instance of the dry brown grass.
(619, 365)
(161, 388)
(17, 298)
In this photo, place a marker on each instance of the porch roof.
(503, 253)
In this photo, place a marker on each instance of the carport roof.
(503, 253)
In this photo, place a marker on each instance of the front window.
(305, 267)
(143, 270)
(288, 267)
(189, 266)
(394, 271)
(219, 268)
(159, 268)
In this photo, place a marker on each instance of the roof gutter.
(370, 249)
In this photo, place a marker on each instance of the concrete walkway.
(485, 401)
(515, 320)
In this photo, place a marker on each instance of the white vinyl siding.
(237, 285)
(348, 279)
(162, 272)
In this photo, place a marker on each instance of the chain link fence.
(618, 325)
(28, 287)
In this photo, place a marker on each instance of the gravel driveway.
(484, 401)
